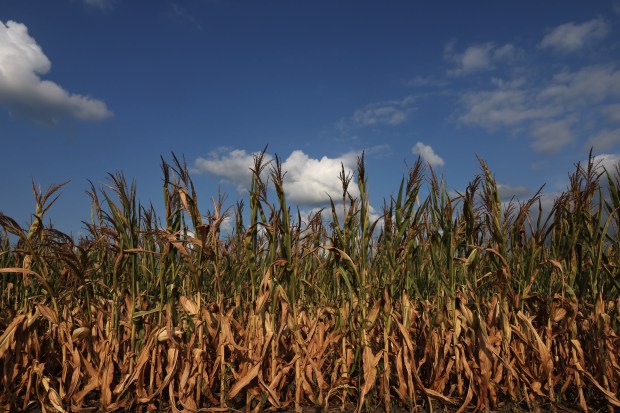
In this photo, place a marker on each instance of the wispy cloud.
(427, 154)
(23, 92)
(477, 57)
(612, 112)
(551, 135)
(507, 104)
(604, 139)
(547, 111)
(583, 87)
(308, 181)
(384, 113)
(379, 151)
(422, 81)
(571, 37)
(180, 12)
(100, 4)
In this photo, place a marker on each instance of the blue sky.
(89, 87)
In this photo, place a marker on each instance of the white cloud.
(307, 181)
(586, 86)
(604, 139)
(380, 151)
(547, 110)
(23, 92)
(233, 167)
(387, 115)
(311, 181)
(612, 112)
(552, 135)
(226, 227)
(571, 37)
(547, 201)
(505, 52)
(478, 57)
(609, 161)
(389, 112)
(473, 59)
(427, 154)
(509, 104)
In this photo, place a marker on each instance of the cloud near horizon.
(608, 161)
(507, 192)
(24, 93)
(232, 166)
(308, 181)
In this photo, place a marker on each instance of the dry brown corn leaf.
(610, 396)
(244, 381)
(8, 336)
(558, 314)
(468, 397)
(543, 351)
(52, 395)
(48, 313)
(80, 333)
(272, 396)
(369, 363)
(189, 305)
(143, 359)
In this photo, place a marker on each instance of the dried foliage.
(462, 301)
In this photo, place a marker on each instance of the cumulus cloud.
(389, 112)
(311, 181)
(234, 166)
(546, 111)
(308, 181)
(427, 154)
(23, 92)
(478, 57)
(571, 37)
(609, 161)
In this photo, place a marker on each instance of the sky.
(91, 87)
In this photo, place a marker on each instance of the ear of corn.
(458, 300)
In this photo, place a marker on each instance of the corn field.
(457, 301)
